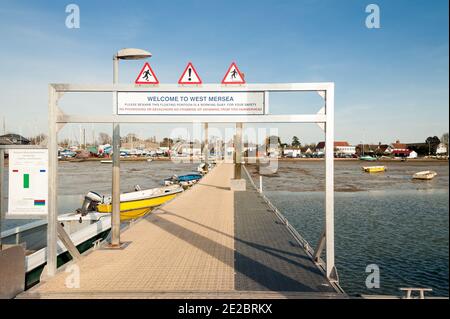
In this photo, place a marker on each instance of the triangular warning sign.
(146, 76)
(233, 75)
(189, 76)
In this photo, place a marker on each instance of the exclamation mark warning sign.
(190, 76)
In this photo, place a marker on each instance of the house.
(441, 149)
(339, 148)
(419, 148)
(292, 152)
(398, 149)
(413, 154)
(13, 139)
(371, 149)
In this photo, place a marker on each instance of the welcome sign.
(190, 103)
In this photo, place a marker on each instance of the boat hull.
(136, 208)
(374, 169)
(426, 175)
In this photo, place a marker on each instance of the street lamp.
(123, 54)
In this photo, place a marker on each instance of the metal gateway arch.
(57, 119)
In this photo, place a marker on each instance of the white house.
(292, 152)
(339, 148)
(441, 149)
(413, 154)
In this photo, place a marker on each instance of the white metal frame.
(325, 118)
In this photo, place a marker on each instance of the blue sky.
(391, 83)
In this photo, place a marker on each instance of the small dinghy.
(374, 169)
(367, 158)
(425, 175)
(183, 180)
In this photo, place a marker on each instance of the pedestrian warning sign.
(233, 75)
(190, 76)
(146, 76)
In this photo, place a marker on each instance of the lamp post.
(124, 54)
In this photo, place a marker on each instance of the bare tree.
(104, 138)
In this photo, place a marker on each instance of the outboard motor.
(90, 203)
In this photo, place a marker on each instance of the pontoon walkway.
(210, 242)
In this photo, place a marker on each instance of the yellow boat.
(374, 169)
(138, 203)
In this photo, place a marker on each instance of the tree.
(433, 143)
(166, 142)
(444, 139)
(38, 139)
(296, 142)
(104, 138)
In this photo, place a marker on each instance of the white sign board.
(28, 182)
(192, 103)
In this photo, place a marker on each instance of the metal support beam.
(329, 187)
(52, 218)
(293, 118)
(206, 146)
(115, 220)
(206, 87)
(238, 151)
(319, 248)
(65, 238)
(2, 166)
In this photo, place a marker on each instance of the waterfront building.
(441, 149)
(13, 139)
(339, 148)
(398, 149)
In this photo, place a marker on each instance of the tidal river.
(385, 219)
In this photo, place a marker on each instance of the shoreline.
(253, 160)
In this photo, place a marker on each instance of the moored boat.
(204, 167)
(374, 169)
(183, 180)
(367, 158)
(133, 204)
(425, 175)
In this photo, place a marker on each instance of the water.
(75, 179)
(385, 219)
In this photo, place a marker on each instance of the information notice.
(190, 103)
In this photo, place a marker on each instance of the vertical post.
(238, 151)
(2, 166)
(52, 218)
(329, 188)
(260, 184)
(206, 146)
(115, 219)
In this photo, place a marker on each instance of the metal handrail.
(299, 238)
